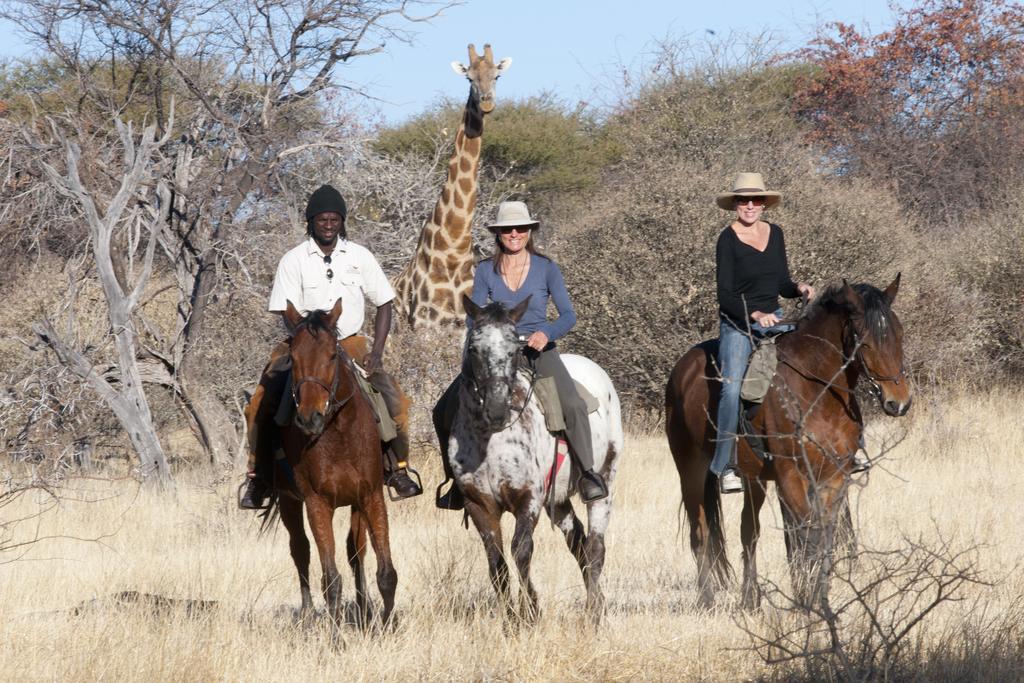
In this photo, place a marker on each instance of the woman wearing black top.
(752, 273)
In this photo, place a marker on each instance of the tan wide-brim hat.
(512, 213)
(748, 185)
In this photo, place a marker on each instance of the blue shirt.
(544, 281)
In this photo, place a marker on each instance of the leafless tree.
(141, 201)
(250, 80)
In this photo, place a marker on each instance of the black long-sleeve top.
(750, 280)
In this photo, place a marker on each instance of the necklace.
(514, 283)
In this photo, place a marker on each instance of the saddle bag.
(760, 372)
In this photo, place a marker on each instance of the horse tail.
(716, 532)
(270, 514)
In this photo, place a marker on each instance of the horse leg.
(522, 551)
(321, 517)
(700, 501)
(355, 547)
(387, 578)
(587, 549)
(750, 532)
(488, 525)
(298, 544)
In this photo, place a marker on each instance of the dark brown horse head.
(316, 366)
(493, 351)
(877, 344)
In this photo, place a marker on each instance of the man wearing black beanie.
(313, 276)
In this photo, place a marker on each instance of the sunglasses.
(330, 272)
(509, 229)
(756, 201)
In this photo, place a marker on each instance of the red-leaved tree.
(932, 106)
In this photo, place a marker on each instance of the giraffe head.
(482, 72)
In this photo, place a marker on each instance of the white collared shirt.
(302, 279)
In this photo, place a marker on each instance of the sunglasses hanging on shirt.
(330, 272)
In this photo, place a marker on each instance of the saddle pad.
(760, 372)
(547, 396)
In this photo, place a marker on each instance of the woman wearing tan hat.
(752, 273)
(517, 272)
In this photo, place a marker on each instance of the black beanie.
(325, 199)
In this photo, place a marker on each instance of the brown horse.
(809, 423)
(333, 459)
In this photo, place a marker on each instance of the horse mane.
(316, 322)
(877, 310)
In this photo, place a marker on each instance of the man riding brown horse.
(313, 276)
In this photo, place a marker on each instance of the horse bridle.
(873, 377)
(333, 403)
(478, 396)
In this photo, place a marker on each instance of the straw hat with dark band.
(748, 185)
(513, 213)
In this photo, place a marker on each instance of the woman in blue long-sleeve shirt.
(517, 272)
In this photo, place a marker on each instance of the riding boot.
(592, 486)
(259, 479)
(453, 499)
(396, 468)
(255, 495)
(443, 417)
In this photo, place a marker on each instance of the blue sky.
(576, 49)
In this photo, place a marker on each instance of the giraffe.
(428, 292)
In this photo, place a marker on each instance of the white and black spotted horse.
(501, 454)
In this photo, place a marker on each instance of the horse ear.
(292, 317)
(520, 309)
(894, 286)
(852, 297)
(332, 318)
(472, 310)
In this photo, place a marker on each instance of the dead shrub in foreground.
(868, 628)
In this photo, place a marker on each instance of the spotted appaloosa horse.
(501, 454)
(333, 460)
(810, 423)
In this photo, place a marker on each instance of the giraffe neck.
(441, 270)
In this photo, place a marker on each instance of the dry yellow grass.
(956, 473)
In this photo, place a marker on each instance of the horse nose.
(312, 425)
(896, 408)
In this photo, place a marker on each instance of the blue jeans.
(734, 348)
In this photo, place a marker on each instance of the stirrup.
(264, 500)
(393, 491)
(453, 500)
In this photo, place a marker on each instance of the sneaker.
(592, 487)
(730, 482)
(255, 494)
(453, 500)
(402, 484)
(860, 462)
